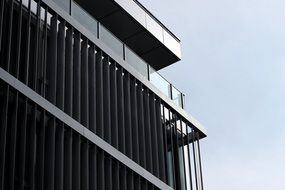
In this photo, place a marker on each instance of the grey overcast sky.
(233, 74)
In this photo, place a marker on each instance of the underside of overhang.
(130, 32)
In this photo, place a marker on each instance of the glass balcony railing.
(136, 62)
(127, 54)
(84, 18)
(152, 24)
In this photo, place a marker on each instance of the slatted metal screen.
(39, 151)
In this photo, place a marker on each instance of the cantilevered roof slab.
(137, 28)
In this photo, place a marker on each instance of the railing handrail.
(160, 23)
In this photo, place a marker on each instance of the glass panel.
(172, 43)
(154, 28)
(176, 96)
(65, 4)
(159, 82)
(33, 5)
(111, 41)
(84, 18)
(136, 62)
(134, 10)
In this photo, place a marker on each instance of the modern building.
(82, 106)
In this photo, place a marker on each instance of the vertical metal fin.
(3, 134)
(148, 144)
(60, 66)
(84, 84)
(92, 88)
(114, 105)
(141, 125)
(76, 78)
(59, 156)
(160, 142)
(153, 129)
(50, 154)
(76, 162)
(121, 116)
(106, 99)
(134, 119)
(68, 170)
(68, 96)
(99, 94)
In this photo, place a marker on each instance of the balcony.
(127, 54)
(135, 26)
(122, 50)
